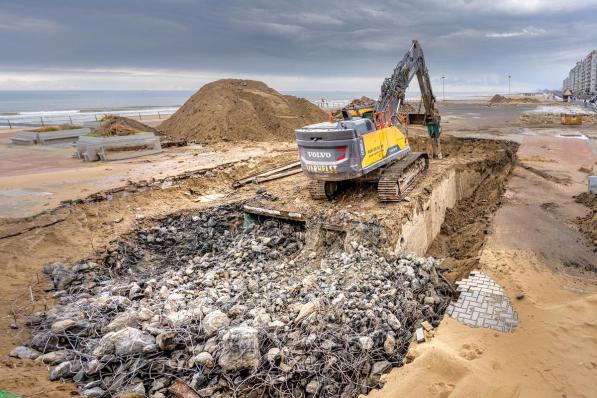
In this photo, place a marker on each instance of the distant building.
(582, 79)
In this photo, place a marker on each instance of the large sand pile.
(238, 110)
(117, 125)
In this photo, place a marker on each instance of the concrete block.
(92, 124)
(593, 184)
(420, 335)
(25, 138)
(119, 147)
(55, 137)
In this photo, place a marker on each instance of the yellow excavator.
(370, 144)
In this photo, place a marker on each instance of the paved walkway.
(483, 303)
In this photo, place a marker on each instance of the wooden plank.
(283, 214)
(268, 173)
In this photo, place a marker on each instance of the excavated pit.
(446, 216)
(232, 307)
(230, 304)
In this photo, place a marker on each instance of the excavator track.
(400, 178)
(322, 189)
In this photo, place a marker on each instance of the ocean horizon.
(35, 107)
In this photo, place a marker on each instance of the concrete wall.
(418, 234)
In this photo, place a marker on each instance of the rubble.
(24, 353)
(197, 305)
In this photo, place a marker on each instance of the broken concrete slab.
(427, 326)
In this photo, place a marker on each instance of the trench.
(451, 216)
(257, 306)
(453, 222)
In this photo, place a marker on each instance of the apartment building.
(582, 78)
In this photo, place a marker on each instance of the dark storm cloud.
(474, 42)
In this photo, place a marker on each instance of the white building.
(582, 79)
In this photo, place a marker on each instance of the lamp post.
(444, 87)
(509, 77)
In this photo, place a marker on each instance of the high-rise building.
(582, 78)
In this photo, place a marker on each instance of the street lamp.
(444, 87)
(509, 77)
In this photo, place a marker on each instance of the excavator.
(373, 148)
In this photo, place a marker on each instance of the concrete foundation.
(92, 149)
(48, 137)
(25, 138)
(425, 224)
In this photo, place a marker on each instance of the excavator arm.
(393, 91)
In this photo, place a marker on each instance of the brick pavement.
(483, 303)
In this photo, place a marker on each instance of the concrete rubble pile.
(201, 305)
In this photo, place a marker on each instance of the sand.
(500, 99)
(531, 249)
(240, 110)
(587, 224)
(52, 175)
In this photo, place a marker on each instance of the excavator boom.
(394, 87)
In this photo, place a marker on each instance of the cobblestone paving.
(483, 303)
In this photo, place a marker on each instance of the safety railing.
(332, 105)
(18, 121)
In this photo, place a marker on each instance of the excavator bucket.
(416, 118)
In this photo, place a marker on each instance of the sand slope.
(238, 110)
(531, 249)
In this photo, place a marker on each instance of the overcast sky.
(292, 45)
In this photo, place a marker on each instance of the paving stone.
(483, 303)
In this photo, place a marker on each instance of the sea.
(36, 108)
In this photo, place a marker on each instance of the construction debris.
(200, 305)
(427, 326)
(420, 335)
(111, 126)
(271, 174)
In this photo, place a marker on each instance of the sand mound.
(500, 99)
(587, 199)
(238, 110)
(363, 101)
(117, 125)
